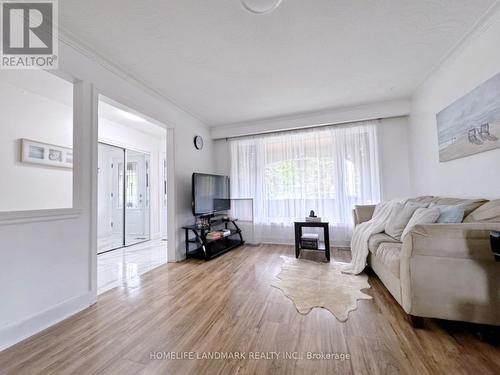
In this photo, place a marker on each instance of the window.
(36, 141)
(132, 191)
(281, 182)
(328, 170)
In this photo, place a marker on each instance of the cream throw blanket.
(363, 232)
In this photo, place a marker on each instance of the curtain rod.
(310, 127)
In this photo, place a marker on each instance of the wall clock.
(198, 142)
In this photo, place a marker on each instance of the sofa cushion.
(488, 212)
(449, 214)
(389, 254)
(400, 217)
(423, 199)
(378, 238)
(469, 204)
(422, 216)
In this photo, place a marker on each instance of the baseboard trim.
(156, 236)
(342, 244)
(19, 331)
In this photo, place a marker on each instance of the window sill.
(23, 217)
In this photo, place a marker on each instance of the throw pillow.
(421, 216)
(488, 212)
(450, 214)
(469, 204)
(399, 218)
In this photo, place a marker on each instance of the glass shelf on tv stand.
(206, 248)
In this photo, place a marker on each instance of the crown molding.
(332, 116)
(72, 41)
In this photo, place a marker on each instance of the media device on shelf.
(210, 194)
(213, 236)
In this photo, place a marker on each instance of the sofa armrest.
(463, 240)
(448, 271)
(362, 213)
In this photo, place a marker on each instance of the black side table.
(495, 244)
(323, 246)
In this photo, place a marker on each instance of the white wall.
(27, 114)
(385, 109)
(474, 176)
(394, 157)
(51, 256)
(192, 161)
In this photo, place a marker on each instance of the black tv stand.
(201, 247)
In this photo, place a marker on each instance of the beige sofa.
(445, 271)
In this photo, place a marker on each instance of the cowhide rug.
(311, 284)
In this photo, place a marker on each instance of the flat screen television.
(210, 194)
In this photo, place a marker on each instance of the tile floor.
(123, 267)
(115, 241)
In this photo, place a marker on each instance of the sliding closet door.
(111, 186)
(137, 208)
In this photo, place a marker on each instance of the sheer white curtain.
(328, 170)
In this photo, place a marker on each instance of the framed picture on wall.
(34, 152)
(471, 124)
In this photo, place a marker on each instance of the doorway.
(123, 197)
(132, 216)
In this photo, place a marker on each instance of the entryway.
(131, 196)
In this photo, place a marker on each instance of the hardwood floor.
(227, 305)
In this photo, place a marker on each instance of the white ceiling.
(42, 83)
(226, 65)
(123, 115)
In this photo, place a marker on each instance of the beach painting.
(472, 123)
